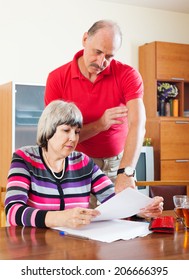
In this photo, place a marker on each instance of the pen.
(64, 233)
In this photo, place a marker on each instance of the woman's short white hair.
(56, 113)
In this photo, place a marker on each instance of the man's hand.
(112, 116)
(116, 115)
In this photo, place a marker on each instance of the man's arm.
(110, 117)
(134, 142)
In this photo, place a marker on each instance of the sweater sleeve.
(17, 210)
(102, 186)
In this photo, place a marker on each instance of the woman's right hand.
(72, 218)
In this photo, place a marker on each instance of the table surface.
(45, 244)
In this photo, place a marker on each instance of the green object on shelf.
(147, 142)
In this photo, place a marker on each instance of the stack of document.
(108, 226)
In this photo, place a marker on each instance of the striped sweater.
(32, 190)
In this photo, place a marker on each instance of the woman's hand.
(72, 218)
(154, 209)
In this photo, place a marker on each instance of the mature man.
(109, 95)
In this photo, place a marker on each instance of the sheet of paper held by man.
(107, 227)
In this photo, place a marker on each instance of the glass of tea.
(179, 201)
(185, 211)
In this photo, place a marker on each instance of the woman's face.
(64, 140)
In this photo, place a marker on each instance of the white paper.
(107, 227)
(109, 231)
(124, 204)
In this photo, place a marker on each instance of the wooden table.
(17, 243)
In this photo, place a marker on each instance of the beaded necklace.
(63, 168)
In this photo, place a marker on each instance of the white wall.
(37, 36)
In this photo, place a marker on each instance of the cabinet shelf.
(182, 98)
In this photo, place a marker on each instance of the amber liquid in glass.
(179, 212)
(186, 217)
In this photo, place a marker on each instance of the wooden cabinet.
(2, 211)
(172, 60)
(167, 62)
(20, 108)
(174, 149)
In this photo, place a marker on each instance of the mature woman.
(50, 184)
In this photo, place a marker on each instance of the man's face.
(99, 50)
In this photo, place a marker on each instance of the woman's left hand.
(154, 209)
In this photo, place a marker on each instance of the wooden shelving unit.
(20, 109)
(167, 62)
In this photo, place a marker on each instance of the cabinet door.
(29, 104)
(172, 61)
(174, 170)
(174, 140)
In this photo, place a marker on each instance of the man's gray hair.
(105, 24)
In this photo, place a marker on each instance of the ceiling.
(180, 6)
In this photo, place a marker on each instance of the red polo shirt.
(115, 86)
